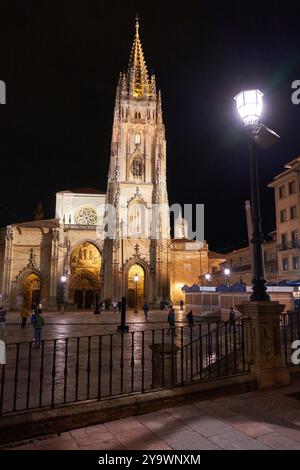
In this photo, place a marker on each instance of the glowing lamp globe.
(63, 278)
(227, 272)
(136, 278)
(207, 276)
(249, 104)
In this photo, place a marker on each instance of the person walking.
(24, 315)
(38, 324)
(2, 321)
(146, 310)
(190, 318)
(231, 320)
(171, 321)
(181, 304)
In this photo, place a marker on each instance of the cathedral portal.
(85, 268)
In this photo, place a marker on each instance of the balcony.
(291, 245)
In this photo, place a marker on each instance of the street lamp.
(227, 273)
(63, 281)
(249, 104)
(136, 280)
(208, 277)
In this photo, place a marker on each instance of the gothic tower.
(136, 251)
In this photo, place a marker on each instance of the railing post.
(263, 334)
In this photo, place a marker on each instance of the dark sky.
(61, 61)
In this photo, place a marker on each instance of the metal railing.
(76, 369)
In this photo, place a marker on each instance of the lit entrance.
(84, 286)
(136, 286)
(85, 275)
(31, 290)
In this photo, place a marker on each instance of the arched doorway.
(136, 288)
(85, 266)
(31, 290)
(84, 287)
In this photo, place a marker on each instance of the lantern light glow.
(249, 104)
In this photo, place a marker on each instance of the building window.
(292, 187)
(283, 216)
(285, 264)
(295, 262)
(293, 212)
(294, 238)
(137, 138)
(281, 192)
(284, 241)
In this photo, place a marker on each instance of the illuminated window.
(137, 138)
(295, 262)
(285, 264)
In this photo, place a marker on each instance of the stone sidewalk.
(257, 420)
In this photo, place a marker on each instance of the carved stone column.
(262, 342)
(52, 304)
(7, 271)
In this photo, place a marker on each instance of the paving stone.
(161, 423)
(188, 440)
(183, 412)
(207, 425)
(279, 441)
(124, 425)
(248, 426)
(236, 440)
(215, 409)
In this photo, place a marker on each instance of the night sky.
(61, 62)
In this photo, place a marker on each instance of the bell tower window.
(137, 138)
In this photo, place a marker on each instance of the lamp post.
(63, 281)
(136, 280)
(249, 105)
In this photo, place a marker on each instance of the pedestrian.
(40, 308)
(146, 310)
(171, 321)
(190, 318)
(24, 315)
(231, 320)
(102, 306)
(2, 321)
(38, 324)
(34, 307)
(181, 304)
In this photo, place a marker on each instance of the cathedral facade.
(102, 246)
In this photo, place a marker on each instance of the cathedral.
(100, 245)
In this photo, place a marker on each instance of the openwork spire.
(138, 80)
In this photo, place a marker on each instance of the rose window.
(86, 216)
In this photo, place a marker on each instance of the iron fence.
(96, 367)
(289, 332)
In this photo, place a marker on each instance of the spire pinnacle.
(138, 80)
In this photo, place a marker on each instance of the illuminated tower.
(137, 189)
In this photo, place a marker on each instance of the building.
(107, 245)
(239, 263)
(287, 204)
